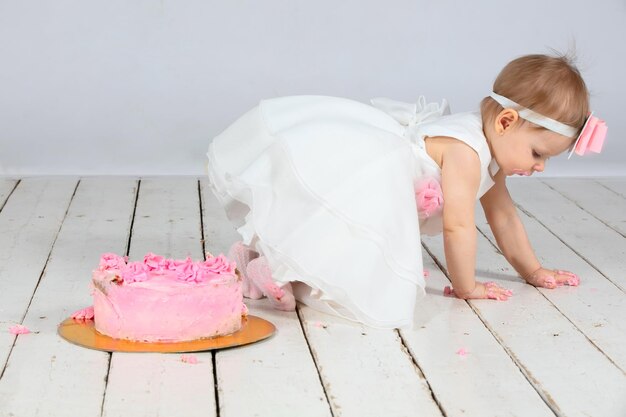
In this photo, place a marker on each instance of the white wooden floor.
(543, 353)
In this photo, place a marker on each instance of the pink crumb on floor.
(189, 359)
(18, 329)
(426, 273)
(320, 324)
(461, 352)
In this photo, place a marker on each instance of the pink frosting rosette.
(187, 271)
(219, 265)
(214, 265)
(173, 264)
(109, 261)
(183, 269)
(155, 262)
(134, 272)
(428, 197)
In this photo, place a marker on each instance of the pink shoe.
(260, 274)
(242, 255)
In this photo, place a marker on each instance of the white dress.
(323, 187)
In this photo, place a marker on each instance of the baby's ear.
(505, 119)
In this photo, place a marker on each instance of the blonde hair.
(549, 85)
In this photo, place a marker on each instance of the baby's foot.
(260, 274)
(242, 255)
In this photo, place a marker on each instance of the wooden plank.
(167, 222)
(219, 232)
(6, 187)
(354, 361)
(617, 185)
(557, 359)
(471, 384)
(596, 307)
(276, 377)
(595, 242)
(47, 375)
(29, 223)
(605, 205)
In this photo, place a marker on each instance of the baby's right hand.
(489, 290)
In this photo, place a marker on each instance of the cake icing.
(166, 300)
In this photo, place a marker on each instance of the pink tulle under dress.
(335, 193)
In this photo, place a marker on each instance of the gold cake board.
(83, 333)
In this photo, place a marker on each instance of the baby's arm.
(508, 229)
(460, 173)
(513, 240)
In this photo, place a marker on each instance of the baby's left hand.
(548, 278)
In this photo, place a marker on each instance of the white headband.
(536, 118)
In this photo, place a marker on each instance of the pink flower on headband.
(592, 136)
(428, 197)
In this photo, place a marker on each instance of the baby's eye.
(536, 155)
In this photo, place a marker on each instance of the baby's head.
(548, 85)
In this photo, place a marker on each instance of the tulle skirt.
(323, 188)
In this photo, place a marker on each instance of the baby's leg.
(242, 255)
(260, 274)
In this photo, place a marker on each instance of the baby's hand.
(489, 290)
(548, 278)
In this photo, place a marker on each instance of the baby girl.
(331, 195)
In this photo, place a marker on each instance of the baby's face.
(525, 150)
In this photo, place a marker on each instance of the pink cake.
(166, 300)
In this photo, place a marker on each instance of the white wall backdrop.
(140, 87)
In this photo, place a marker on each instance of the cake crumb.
(189, 359)
(426, 273)
(83, 314)
(461, 352)
(18, 329)
(320, 324)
